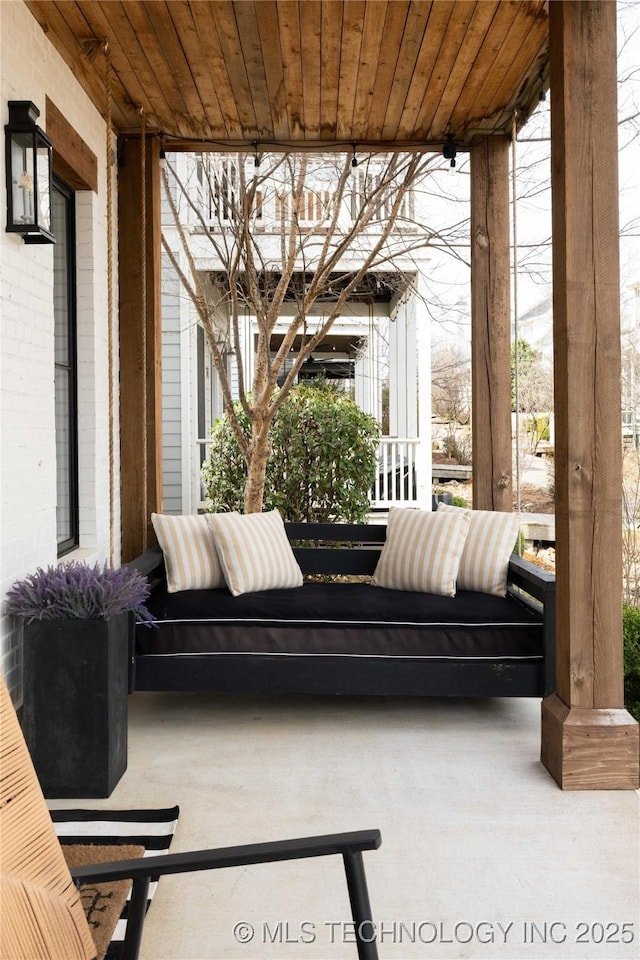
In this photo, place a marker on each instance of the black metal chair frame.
(141, 871)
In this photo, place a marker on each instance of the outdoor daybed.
(347, 637)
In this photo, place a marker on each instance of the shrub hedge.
(323, 458)
(631, 634)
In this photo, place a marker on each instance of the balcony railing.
(397, 476)
(218, 198)
(396, 481)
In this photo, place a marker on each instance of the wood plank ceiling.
(307, 72)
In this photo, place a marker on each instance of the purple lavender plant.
(77, 591)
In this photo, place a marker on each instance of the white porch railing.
(396, 481)
(219, 191)
(397, 475)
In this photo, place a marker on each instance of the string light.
(256, 156)
(542, 96)
(449, 151)
(354, 159)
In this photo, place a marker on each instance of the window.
(64, 296)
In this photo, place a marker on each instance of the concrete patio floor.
(482, 855)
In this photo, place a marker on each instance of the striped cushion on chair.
(190, 556)
(422, 551)
(489, 544)
(254, 551)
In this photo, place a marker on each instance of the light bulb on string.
(354, 159)
(449, 152)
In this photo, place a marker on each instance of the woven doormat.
(112, 835)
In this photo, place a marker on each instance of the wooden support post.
(140, 417)
(491, 326)
(589, 741)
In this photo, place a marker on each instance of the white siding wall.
(30, 69)
(172, 440)
(179, 402)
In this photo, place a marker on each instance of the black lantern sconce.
(28, 165)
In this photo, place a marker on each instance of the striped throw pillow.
(422, 551)
(190, 556)
(254, 551)
(489, 544)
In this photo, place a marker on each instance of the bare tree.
(291, 232)
(451, 383)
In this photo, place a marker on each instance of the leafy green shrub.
(458, 501)
(631, 635)
(224, 472)
(323, 459)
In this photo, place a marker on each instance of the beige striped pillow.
(422, 551)
(190, 556)
(254, 551)
(489, 545)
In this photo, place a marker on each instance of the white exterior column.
(367, 377)
(422, 328)
(403, 371)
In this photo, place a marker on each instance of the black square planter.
(75, 703)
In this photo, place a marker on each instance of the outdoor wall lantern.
(28, 165)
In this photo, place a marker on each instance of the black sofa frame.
(353, 549)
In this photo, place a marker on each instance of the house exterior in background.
(378, 348)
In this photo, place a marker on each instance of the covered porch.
(482, 856)
(399, 76)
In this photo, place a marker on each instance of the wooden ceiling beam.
(299, 72)
(164, 35)
(469, 59)
(394, 26)
(415, 31)
(310, 47)
(484, 71)
(133, 70)
(253, 53)
(68, 42)
(409, 122)
(350, 58)
(528, 43)
(192, 44)
(330, 44)
(243, 89)
(292, 123)
(440, 92)
(211, 54)
(269, 37)
(372, 41)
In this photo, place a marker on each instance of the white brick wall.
(30, 69)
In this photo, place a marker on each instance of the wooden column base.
(590, 749)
